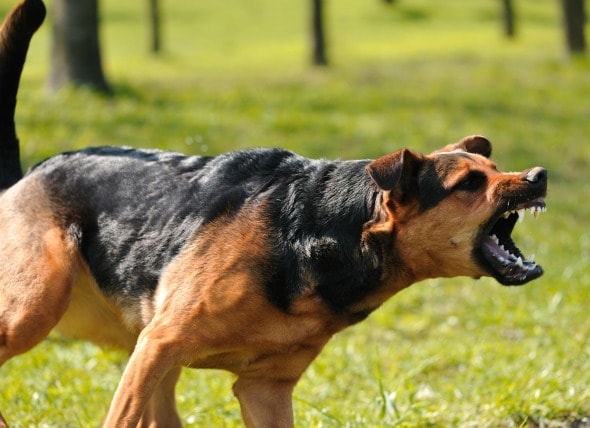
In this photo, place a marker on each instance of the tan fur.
(90, 316)
(210, 312)
(35, 286)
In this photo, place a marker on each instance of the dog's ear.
(471, 144)
(397, 172)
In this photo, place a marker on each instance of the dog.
(248, 261)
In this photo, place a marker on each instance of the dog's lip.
(498, 252)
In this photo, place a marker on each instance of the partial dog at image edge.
(248, 261)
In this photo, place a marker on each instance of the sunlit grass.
(442, 353)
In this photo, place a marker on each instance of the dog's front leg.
(152, 362)
(264, 389)
(161, 409)
(265, 403)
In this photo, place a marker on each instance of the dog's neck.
(344, 246)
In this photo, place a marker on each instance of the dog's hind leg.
(38, 261)
(37, 265)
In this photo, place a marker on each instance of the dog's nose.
(536, 175)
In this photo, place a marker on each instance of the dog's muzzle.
(497, 251)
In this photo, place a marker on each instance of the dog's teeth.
(531, 258)
(506, 214)
(521, 215)
(519, 261)
(495, 239)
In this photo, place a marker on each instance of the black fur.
(134, 210)
(430, 184)
(431, 178)
(14, 43)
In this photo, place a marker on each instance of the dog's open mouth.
(505, 260)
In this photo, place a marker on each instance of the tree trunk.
(75, 48)
(509, 22)
(155, 42)
(574, 18)
(318, 34)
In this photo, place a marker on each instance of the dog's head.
(452, 212)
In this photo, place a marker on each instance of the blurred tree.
(319, 55)
(154, 11)
(574, 19)
(75, 50)
(509, 23)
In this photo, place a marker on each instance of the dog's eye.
(472, 182)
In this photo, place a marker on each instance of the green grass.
(442, 353)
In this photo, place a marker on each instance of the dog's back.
(130, 212)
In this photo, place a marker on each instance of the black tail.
(15, 35)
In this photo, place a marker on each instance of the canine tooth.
(519, 261)
(495, 239)
(536, 213)
(506, 214)
(521, 215)
(531, 258)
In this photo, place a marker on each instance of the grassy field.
(235, 74)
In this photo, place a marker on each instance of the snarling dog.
(248, 261)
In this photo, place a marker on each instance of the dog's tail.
(15, 35)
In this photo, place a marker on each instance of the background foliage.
(419, 74)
